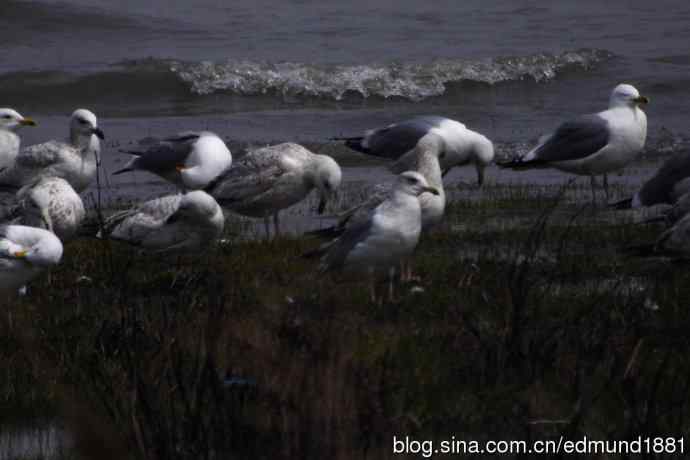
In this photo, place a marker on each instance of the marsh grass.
(529, 330)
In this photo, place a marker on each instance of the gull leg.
(391, 276)
(276, 224)
(593, 184)
(372, 286)
(606, 186)
(267, 227)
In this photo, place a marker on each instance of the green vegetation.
(536, 327)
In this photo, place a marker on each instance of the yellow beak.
(27, 122)
(20, 254)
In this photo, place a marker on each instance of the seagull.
(390, 233)
(427, 154)
(269, 179)
(460, 145)
(74, 160)
(190, 160)
(49, 203)
(24, 253)
(670, 182)
(10, 120)
(593, 144)
(179, 223)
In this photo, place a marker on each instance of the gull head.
(208, 158)
(196, 205)
(413, 183)
(327, 178)
(84, 124)
(44, 249)
(11, 120)
(625, 95)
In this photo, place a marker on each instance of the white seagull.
(10, 120)
(594, 144)
(180, 223)
(390, 233)
(670, 182)
(24, 253)
(269, 179)
(460, 145)
(424, 161)
(49, 203)
(190, 160)
(74, 160)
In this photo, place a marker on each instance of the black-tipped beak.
(98, 132)
(432, 190)
(27, 122)
(641, 100)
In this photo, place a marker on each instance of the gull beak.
(180, 168)
(98, 132)
(432, 190)
(27, 122)
(21, 254)
(641, 100)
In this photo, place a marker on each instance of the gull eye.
(7, 117)
(82, 121)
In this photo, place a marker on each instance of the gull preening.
(24, 253)
(594, 144)
(269, 179)
(390, 233)
(190, 160)
(179, 223)
(49, 203)
(10, 121)
(74, 160)
(670, 182)
(459, 145)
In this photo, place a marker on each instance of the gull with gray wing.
(190, 160)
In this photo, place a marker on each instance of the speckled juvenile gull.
(593, 144)
(269, 179)
(390, 233)
(426, 162)
(190, 160)
(10, 121)
(458, 145)
(24, 253)
(180, 223)
(74, 160)
(669, 183)
(49, 203)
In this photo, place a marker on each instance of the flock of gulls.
(41, 208)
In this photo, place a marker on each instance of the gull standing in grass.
(24, 253)
(49, 203)
(270, 179)
(593, 144)
(460, 146)
(670, 182)
(190, 160)
(390, 233)
(10, 121)
(179, 223)
(74, 160)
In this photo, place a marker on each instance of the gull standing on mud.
(667, 186)
(270, 179)
(190, 160)
(24, 253)
(390, 233)
(49, 203)
(74, 160)
(179, 223)
(460, 146)
(593, 144)
(10, 121)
